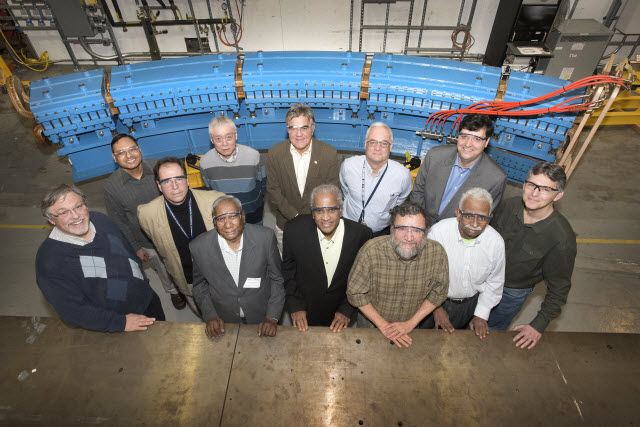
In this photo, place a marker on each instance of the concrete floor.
(601, 202)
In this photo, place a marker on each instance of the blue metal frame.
(168, 104)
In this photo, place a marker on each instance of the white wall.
(309, 25)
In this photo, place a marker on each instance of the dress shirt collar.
(293, 150)
(231, 158)
(58, 235)
(456, 164)
(226, 248)
(369, 169)
(334, 238)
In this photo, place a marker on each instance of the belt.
(461, 300)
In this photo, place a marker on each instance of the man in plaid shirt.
(397, 280)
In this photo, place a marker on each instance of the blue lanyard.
(364, 205)
(190, 236)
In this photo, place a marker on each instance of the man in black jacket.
(318, 252)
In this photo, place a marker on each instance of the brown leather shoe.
(179, 301)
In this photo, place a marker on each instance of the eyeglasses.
(541, 188)
(303, 128)
(373, 143)
(331, 210)
(131, 150)
(67, 214)
(234, 217)
(468, 137)
(173, 180)
(469, 217)
(408, 229)
(230, 137)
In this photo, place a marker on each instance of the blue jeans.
(512, 301)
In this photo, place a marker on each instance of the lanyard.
(180, 225)
(364, 205)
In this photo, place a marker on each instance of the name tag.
(252, 283)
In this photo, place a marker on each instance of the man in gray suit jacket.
(298, 165)
(448, 171)
(236, 272)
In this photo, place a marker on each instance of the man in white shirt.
(476, 265)
(372, 184)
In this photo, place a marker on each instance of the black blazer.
(305, 279)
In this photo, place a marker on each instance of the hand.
(441, 318)
(299, 320)
(339, 321)
(396, 330)
(527, 336)
(479, 325)
(143, 255)
(214, 328)
(268, 328)
(404, 340)
(137, 322)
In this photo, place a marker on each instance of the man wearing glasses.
(540, 246)
(234, 169)
(174, 219)
(372, 184)
(476, 265)
(88, 271)
(236, 272)
(397, 280)
(319, 250)
(298, 165)
(448, 171)
(130, 186)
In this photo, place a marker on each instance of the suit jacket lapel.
(222, 270)
(287, 164)
(315, 252)
(442, 177)
(468, 183)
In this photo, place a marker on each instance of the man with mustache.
(397, 280)
(476, 265)
(88, 271)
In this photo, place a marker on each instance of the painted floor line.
(610, 241)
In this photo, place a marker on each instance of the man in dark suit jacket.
(236, 272)
(298, 165)
(319, 250)
(448, 171)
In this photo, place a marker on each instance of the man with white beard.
(397, 280)
(89, 271)
(476, 265)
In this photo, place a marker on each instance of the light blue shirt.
(393, 190)
(456, 178)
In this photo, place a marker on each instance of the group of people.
(352, 244)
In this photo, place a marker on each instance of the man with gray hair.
(476, 265)
(319, 250)
(236, 272)
(397, 280)
(298, 165)
(372, 184)
(88, 271)
(234, 169)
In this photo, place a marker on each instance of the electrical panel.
(577, 46)
(72, 18)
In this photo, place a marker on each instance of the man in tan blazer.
(174, 219)
(298, 165)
